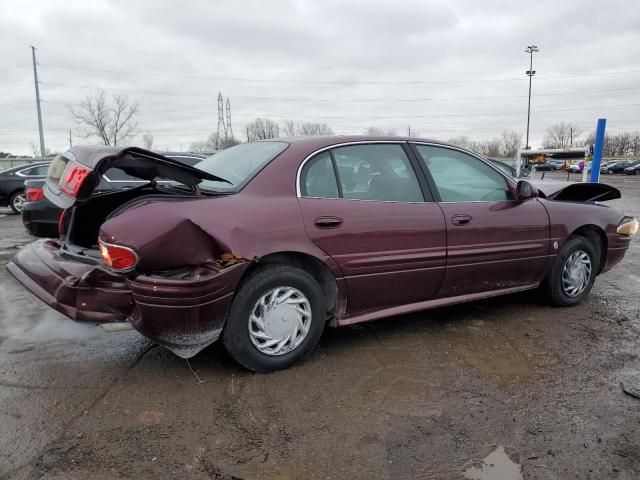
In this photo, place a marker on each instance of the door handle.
(461, 219)
(327, 222)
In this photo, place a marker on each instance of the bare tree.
(112, 123)
(561, 135)
(213, 143)
(511, 142)
(289, 128)
(491, 148)
(310, 129)
(147, 141)
(465, 142)
(381, 132)
(262, 129)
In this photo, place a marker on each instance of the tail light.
(33, 194)
(117, 257)
(74, 175)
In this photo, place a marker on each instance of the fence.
(14, 162)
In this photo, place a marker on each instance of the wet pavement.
(507, 388)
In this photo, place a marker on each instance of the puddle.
(495, 465)
(506, 367)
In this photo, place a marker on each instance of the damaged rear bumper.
(183, 315)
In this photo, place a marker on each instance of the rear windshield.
(238, 164)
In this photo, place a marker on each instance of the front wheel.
(572, 276)
(276, 318)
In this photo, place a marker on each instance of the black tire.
(610, 172)
(553, 283)
(14, 202)
(235, 336)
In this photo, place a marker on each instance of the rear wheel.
(572, 276)
(276, 318)
(17, 202)
(610, 172)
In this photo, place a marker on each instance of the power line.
(337, 100)
(326, 82)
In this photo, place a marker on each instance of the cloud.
(254, 52)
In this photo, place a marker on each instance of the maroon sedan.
(265, 243)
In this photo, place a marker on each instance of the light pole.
(531, 72)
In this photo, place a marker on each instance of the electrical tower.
(221, 127)
(229, 131)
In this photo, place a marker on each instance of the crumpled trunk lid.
(74, 174)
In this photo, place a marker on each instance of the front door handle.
(327, 222)
(461, 219)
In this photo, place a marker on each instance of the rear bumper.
(182, 315)
(41, 218)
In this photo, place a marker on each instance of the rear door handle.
(461, 219)
(327, 222)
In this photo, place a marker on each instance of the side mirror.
(525, 191)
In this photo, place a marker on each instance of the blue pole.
(597, 150)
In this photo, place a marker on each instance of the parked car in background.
(618, 167)
(260, 244)
(42, 218)
(551, 165)
(12, 193)
(633, 169)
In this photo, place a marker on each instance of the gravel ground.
(506, 387)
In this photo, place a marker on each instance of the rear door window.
(378, 172)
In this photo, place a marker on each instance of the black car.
(619, 167)
(550, 166)
(12, 183)
(41, 217)
(632, 169)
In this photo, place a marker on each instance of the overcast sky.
(444, 68)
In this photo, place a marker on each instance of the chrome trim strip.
(431, 144)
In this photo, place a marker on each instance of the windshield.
(238, 164)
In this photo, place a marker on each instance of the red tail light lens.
(33, 194)
(118, 258)
(61, 223)
(74, 175)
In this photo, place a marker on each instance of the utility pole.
(571, 136)
(229, 128)
(409, 131)
(221, 127)
(70, 141)
(248, 139)
(43, 152)
(531, 72)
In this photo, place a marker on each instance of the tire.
(555, 284)
(610, 172)
(241, 333)
(16, 202)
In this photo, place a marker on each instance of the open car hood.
(576, 192)
(74, 174)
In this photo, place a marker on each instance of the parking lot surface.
(507, 385)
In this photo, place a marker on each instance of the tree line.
(113, 121)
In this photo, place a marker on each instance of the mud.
(506, 388)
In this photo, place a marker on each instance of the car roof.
(338, 139)
(24, 165)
